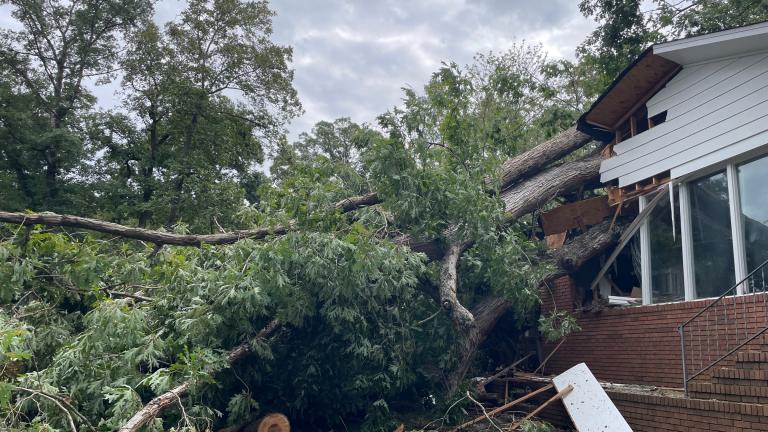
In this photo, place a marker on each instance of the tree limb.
(154, 407)
(531, 194)
(537, 158)
(168, 238)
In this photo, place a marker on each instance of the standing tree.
(212, 91)
(60, 46)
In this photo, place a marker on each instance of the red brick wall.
(648, 412)
(660, 413)
(633, 345)
(558, 295)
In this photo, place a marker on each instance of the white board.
(590, 408)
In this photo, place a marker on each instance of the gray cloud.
(352, 57)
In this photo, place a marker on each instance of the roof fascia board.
(722, 44)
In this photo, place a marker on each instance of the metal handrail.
(725, 294)
(729, 350)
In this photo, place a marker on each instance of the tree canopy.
(178, 286)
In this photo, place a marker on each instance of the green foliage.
(508, 265)
(535, 426)
(202, 99)
(627, 27)
(557, 325)
(347, 299)
(43, 66)
(436, 165)
(106, 325)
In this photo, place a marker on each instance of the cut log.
(275, 422)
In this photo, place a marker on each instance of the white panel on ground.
(588, 405)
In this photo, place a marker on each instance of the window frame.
(737, 228)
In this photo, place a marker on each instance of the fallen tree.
(154, 407)
(529, 181)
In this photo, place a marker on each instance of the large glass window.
(666, 254)
(712, 239)
(753, 191)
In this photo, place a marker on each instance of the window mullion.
(737, 226)
(689, 276)
(645, 255)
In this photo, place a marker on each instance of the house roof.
(711, 46)
(658, 64)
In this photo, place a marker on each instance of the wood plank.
(579, 214)
(554, 241)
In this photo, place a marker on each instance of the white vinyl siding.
(711, 107)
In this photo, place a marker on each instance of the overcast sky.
(352, 57)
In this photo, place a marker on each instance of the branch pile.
(528, 182)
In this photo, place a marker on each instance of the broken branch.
(159, 403)
(167, 238)
(504, 407)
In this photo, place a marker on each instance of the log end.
(274, 422)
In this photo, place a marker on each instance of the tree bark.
(154, 407)
(487, 312)
(536, 159)
(167, 238)
(462, 319)
(148, 170)
(531, 194)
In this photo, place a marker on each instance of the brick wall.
(661, 413)
(633, 345)
(648, 412)
(558, 295)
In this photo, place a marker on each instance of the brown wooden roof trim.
(631, 89)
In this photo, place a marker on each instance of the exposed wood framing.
(628, 233)
(617, 195)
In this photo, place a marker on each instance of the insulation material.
(589, 407)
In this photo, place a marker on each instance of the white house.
(693, 112)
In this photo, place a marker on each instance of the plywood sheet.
(590, 408)
(579, 214)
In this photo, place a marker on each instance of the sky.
(352, 57)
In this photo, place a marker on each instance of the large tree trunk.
(536, 159)
(462, 319)
(531, 194)
(487, 312)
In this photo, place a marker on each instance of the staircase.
(745, 379)
(725, 345)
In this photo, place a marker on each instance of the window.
(724, 236)
(753, 194)
(666, 254)
(712, 240)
